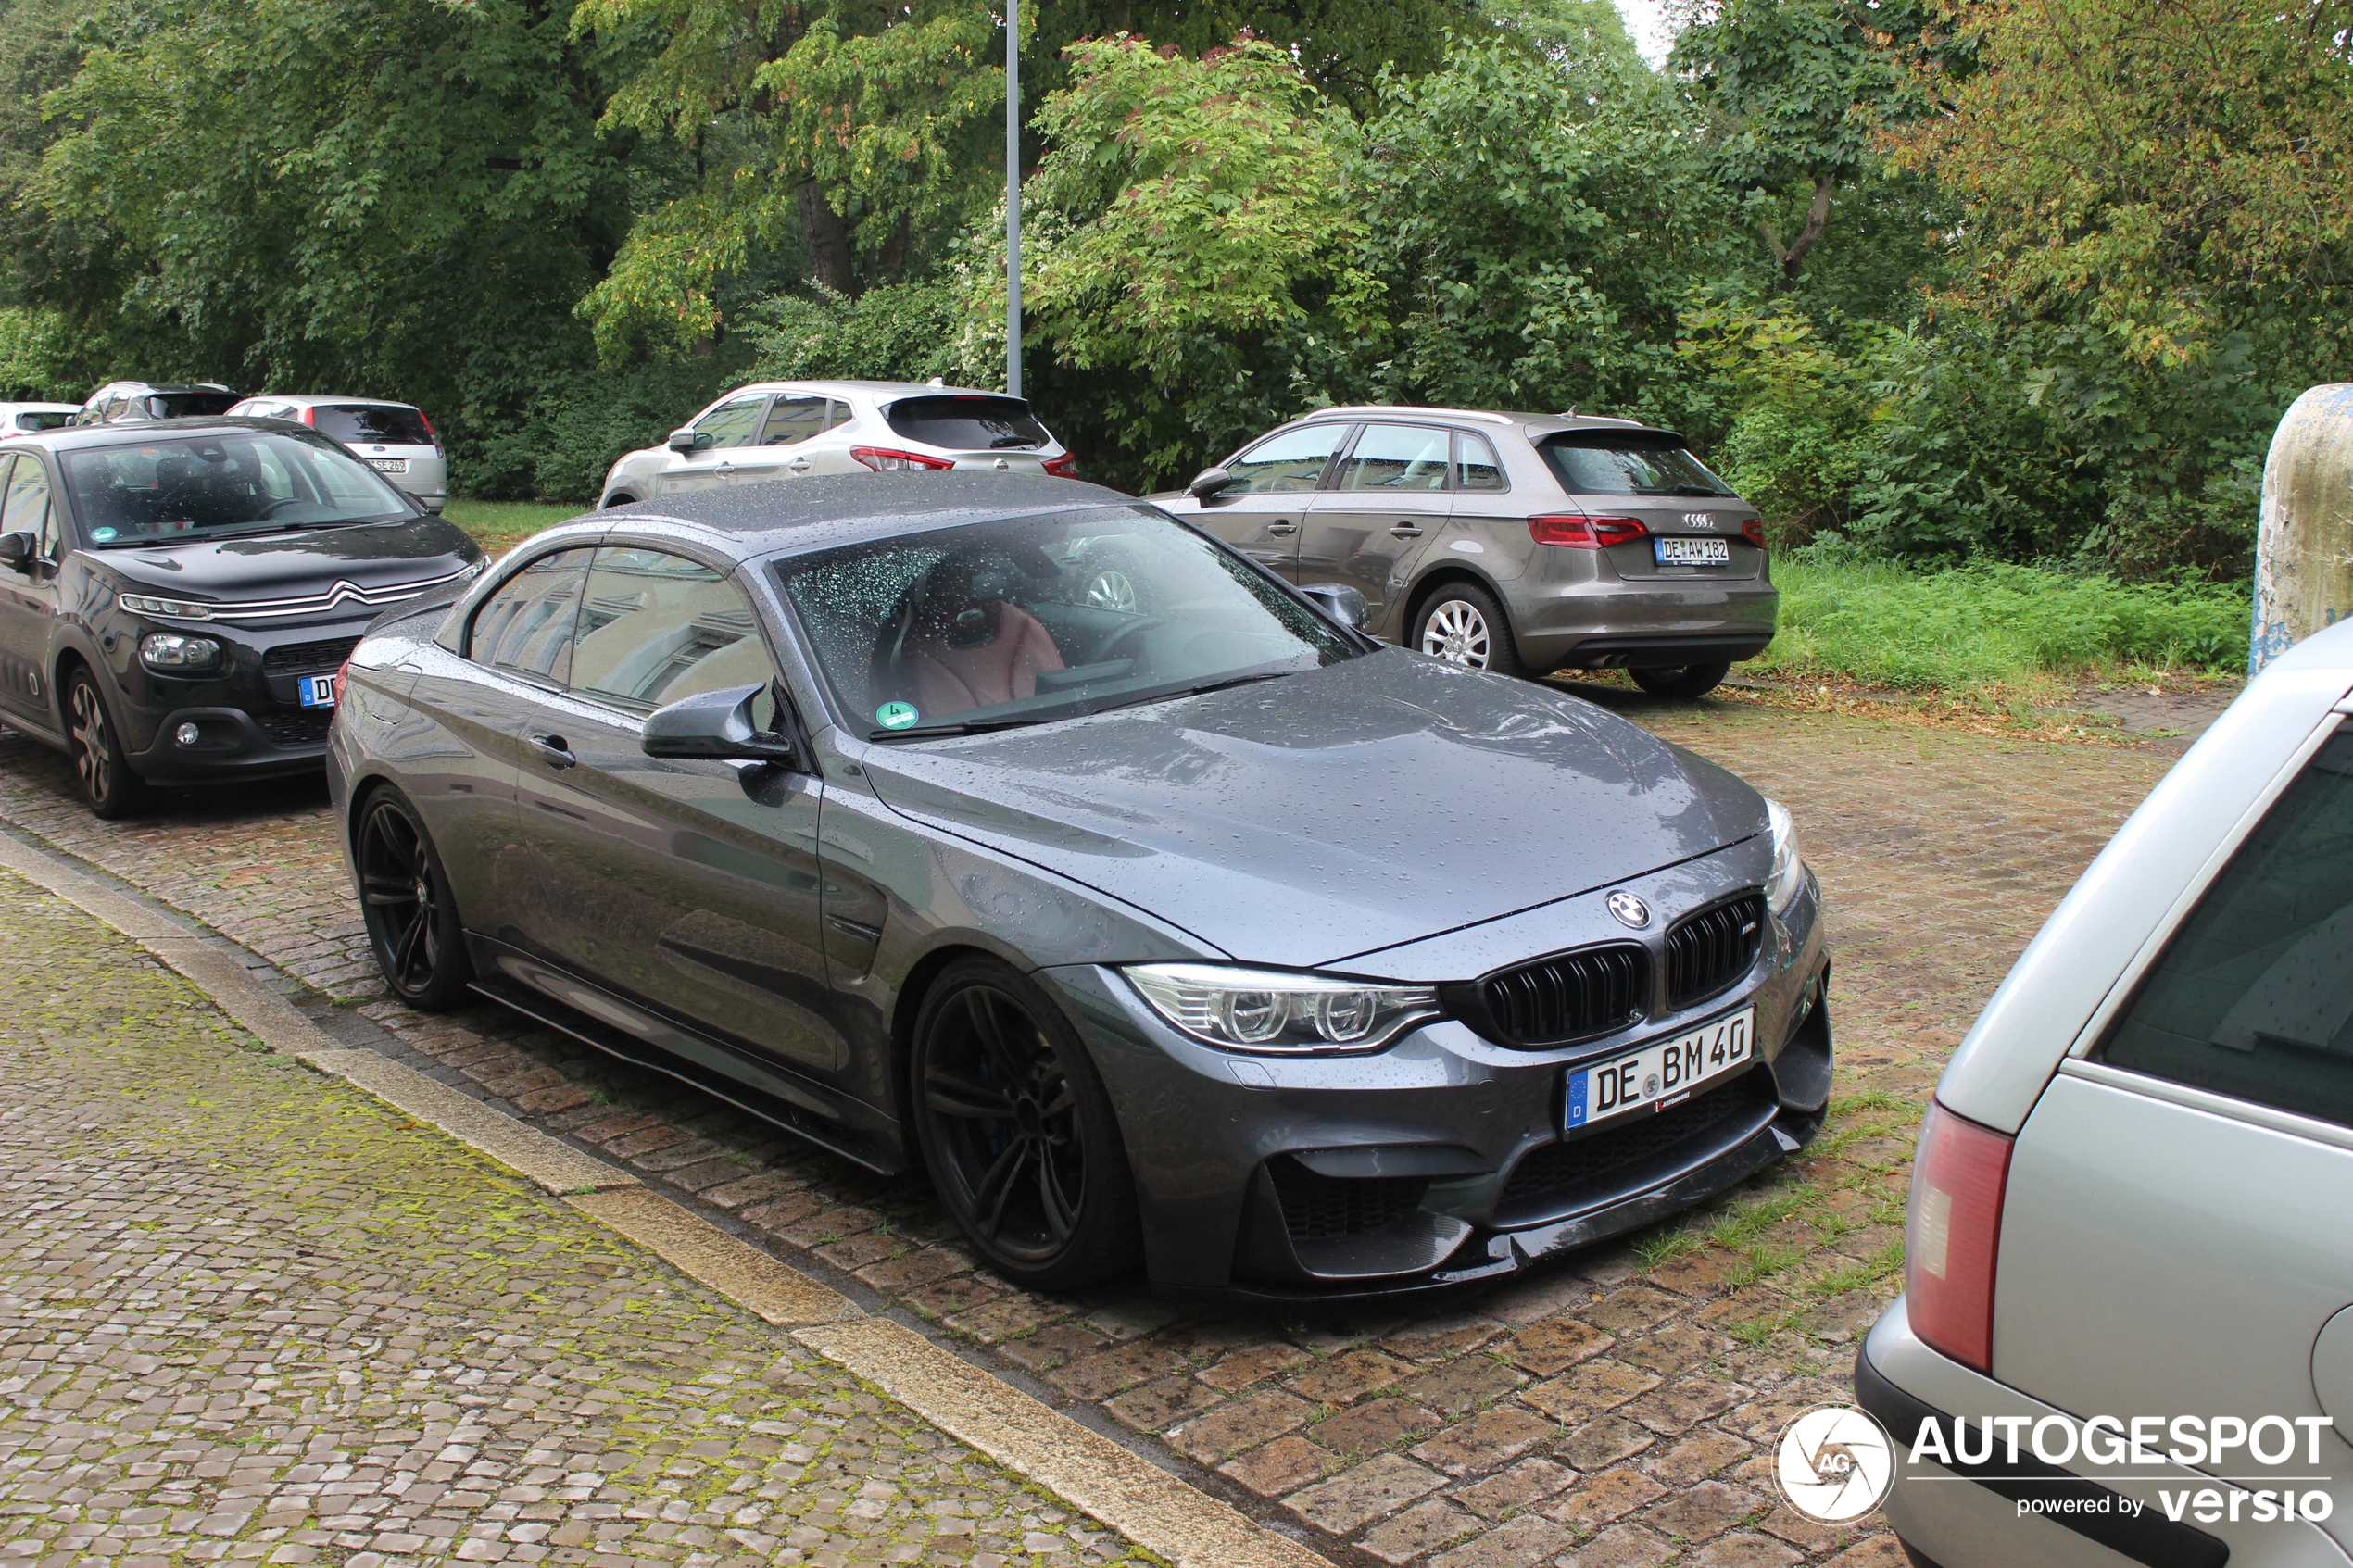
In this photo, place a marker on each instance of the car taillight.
(1754, 532)
(888, 460)
(1952, 1233)
(424, 420)
(342, 670)
(1064, 467)
(310, 416)
(1578, 532)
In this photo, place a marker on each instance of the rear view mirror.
(16, 550)
(1208, 483)
(1341, 602)
(684, 441)
(717, 726)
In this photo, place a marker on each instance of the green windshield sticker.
(895, 715)
(102, 534)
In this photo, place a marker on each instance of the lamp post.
(1013, 197)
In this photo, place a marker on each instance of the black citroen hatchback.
(178, 595)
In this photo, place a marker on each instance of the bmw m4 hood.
(1301, 821)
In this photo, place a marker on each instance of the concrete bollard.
(2304, 543)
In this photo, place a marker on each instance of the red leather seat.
(949, 679)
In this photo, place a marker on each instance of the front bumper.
(1438, 1162)
(249, 718)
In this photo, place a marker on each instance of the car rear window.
(2253, 997)
(382, 425)
(42, 419)
(967, 421)
(1627, 463)
(190, 404)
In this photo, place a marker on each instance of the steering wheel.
(271, 509)
(1127, 633)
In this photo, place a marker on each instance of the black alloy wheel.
(108, 786)
(413, 920)
(1686, 680)
(1022, 1141)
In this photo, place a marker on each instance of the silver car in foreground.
(1517, 543)
(2132, 1214)
(790, 429)
(395, 439)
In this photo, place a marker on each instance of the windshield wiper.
(1697, 490)
(1010, 441)
(1142, 699)
(967, 727)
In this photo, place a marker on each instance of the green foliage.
(41, 358)
(895, 332)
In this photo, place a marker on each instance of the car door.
(28, 595)
(719, 435)
(1260, 513)
(688, 884)
(2177, 1225)
(1387, 499)
(477, 691)
(779, 451)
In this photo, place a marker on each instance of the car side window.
(792, 419)
(839, 413)
(1396, 459)
(1294, 460)
(732, 423)
(1475, 464)
(528, 626)
(2253, 996)
(657, 627)
(28, 509)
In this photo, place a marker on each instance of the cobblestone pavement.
(1612, 1413)
(247, 1313)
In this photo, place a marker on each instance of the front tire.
(1688, 680)
(101, 772)
(413, 920)
(1022, 1142)
(1465, 626)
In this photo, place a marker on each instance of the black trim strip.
(2147, 1537)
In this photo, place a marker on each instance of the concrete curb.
(1150, 1507)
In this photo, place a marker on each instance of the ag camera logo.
(1835, 1464)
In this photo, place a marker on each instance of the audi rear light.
(889, 459)
(1754, 532)
(1064, 467)
(1577, 532)
(1951, 1233)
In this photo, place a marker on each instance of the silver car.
(130, 402)
(1517, 543)
(395, 439)
(2132, 1212)
(789, 430)
(19, 418)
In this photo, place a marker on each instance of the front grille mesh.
(1713, 949)
(307, 659)
(1330, 1208)
(297, 726)
(1567, 996)
(1561, 1169)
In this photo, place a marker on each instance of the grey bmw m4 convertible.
(1006, 828)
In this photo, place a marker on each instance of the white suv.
(785, 429)
(2132, 1212)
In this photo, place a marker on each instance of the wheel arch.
(1436, 580)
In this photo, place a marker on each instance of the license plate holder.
(316, 691)
(387, 465)
(1672, 551)
(1660, 1073)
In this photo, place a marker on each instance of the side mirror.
(1208, 483)
(16, 550)
(1341, 602)
(686, 441)
(717, 726)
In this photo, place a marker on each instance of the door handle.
(799, 465)
(1405, 531)
(727, 465)
(1280, 526)
(552, 750)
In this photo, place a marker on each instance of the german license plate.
(1662, 1073)
(387, 465)
(1693, 552)
(317, 691)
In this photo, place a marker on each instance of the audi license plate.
(1693, 552)
(1661, 1073)
(387, 465)
(317, 691)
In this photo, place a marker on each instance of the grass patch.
(500, 526)
(1992, 629)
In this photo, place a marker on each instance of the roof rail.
(1371, 409)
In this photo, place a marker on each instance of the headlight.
(176, 609)
(174, 653)
(1279, 1012)
(1789, 867)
